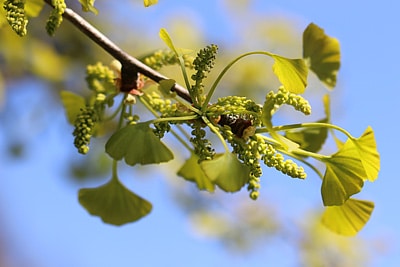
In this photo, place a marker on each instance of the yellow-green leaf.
(292, 73)
(114, 203)
(344, 175)
(137, 144)
(165, 87)
(349, 218)
(148, 3)
(322, 53)
(226, 171)
(33, 7)
(73, 104)
(167, 40)
(88, 5)
(192, 171)
(310, 139)
(369, 155)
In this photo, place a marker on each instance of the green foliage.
(349, 218)
(292, 73)
(137, 144)
(243, 127)
(148, 3)
(322, 52)
(88, 6)
(73, 104)
(231, 178)
(192, 171)
(114, 203)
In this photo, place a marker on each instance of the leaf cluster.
(244, 130)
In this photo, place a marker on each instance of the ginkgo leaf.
(114, 203)
(349, 218)
(167, 40)
(369, 155)
(148, 3)
(322, 53)
(192, 171)
(344, 175)
(292, 73)
(73, 104)
(310, 139)
(226, 171)
(88, 6)
(165, 87)
(33, 7)
(137, 143)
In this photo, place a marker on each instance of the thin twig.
(130, 64)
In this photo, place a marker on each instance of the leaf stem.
(227, 67)
(312, 125)
(216, 132)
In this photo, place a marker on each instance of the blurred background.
(41, 221)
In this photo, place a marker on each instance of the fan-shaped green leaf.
(148, 3)
(292, 73)
(349, 218)
(323, 54)
(344, 175)
(137, 143)
(226, 171)
(73, 104)
(369, 155)
(192, 171)
(114, 203)
(310, 139)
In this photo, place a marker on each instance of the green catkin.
(285, 97)
(202, 146)
(203, 64)
(55, 19)
(15, 15)
(83, 131)
(162, 58)
(100, 78)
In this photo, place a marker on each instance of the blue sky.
(48, 227)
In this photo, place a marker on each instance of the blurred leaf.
(349, 218)
(226, 171)
(165, 87)
(369, 155)
(192, 171)
(137, 143)
(344, 175)
(148, 3)
(33, 7)
(292, 73)
(72, 104)
(88, 6)
(310, 139)
(323, 54)
(114, 203)
(46, 62)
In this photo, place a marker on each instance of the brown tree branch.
(130, 65)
